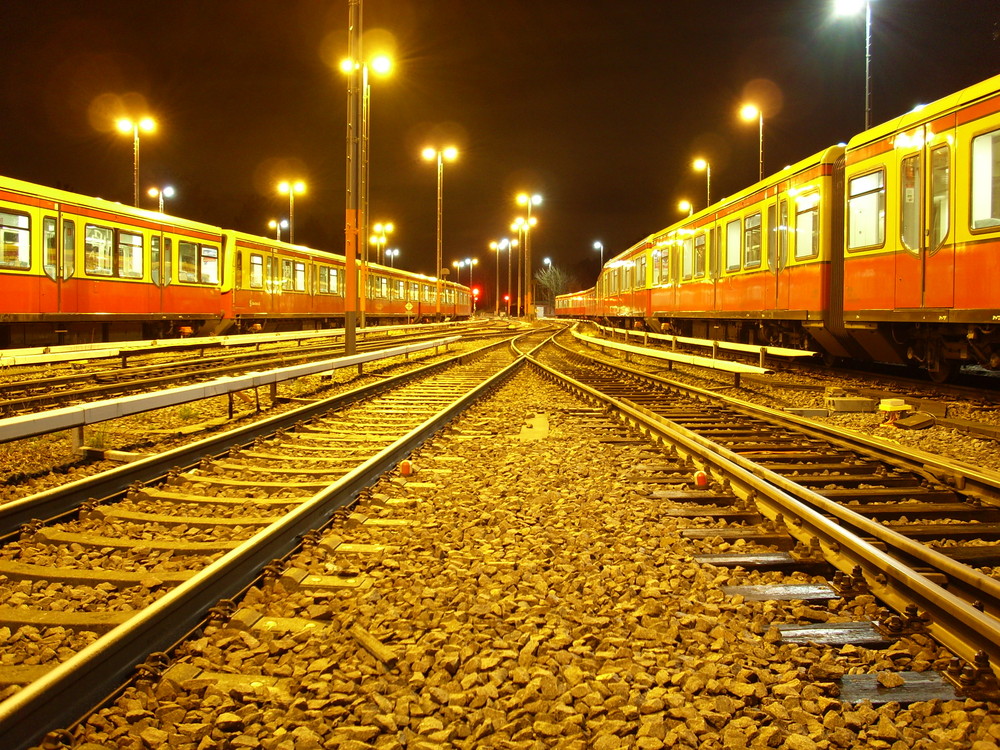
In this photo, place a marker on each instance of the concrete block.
(915, 422)
(850, 403)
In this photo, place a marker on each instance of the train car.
(576, 304)
(74, 268)
(922, 251)
(77, 269)
(884, 248)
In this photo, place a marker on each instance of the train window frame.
(68, 248)
(700, 248)
(640, 275)
(687, 258)
(862, 199)
(256, 280)
(299, 276)
(911, 202)
(130, 249)
(322, 279)
(287, 274)
(807, 205)
(752, 237)
(939, 201)
(734, 236)
(15, 236)
(154, 259)
(50, 247)
(984, 174)
(99, 251)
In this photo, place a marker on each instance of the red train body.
(77, 269)
(885, 248)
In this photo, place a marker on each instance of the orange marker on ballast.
(405, 468)
(700, 480)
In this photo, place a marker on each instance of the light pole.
(161, 193)
(125, 125)
(288, 188)
(703, 165)
(514, 245)
(392, 254)
(277, 226)
(498, 247)
(600, 246)
(522, 226)
(379, 238)
(450, 153)
(523, 199)
(750, 112)
(850, 8)
(685, 206)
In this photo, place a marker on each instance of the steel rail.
(65, 693)
(67, 498)
(957, 624)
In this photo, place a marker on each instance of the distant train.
(886, 249)
(76, 269)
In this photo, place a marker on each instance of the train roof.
(923, 114)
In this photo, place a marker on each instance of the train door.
(56, 292)
(714, 262)
(160, 267)
(925, 272)
(777, 252)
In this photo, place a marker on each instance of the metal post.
(135, 164)
(440, 188)
(353, 179)
(868, 64)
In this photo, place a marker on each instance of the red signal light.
(475, 291)
(506, 298)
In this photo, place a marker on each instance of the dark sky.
(598, 105)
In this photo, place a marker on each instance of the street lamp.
(523, 199)
(290, 189)
(391, 254)
(750, 112)
(498, 247)
(450, 153)
(701, 165)
(850, 8)
(126, 126)
(277, 226)
(161, 193)
(685, 206)
(600, 246)
(379, 238)
(522, 226)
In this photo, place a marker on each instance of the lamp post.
(685, 206)
(850, 8)
(381, 229)
(449, 153)
(522, 226)
(288, 188)
(600, 246)
(126, 126)
(277, 226)
(750, 112)
(700, 165)
(161, 193)
(498, 247)
(392, 254)
(523, 199)
(515, 244)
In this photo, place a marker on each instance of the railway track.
(28, 394)
(918, 532)
(146, 561)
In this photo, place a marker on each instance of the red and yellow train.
(77, 269)
(886, 248)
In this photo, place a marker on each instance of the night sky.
(598, 105)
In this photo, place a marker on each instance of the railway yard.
(509, 541)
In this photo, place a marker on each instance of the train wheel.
(942, 370)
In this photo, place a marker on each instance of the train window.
(154, 259)
(336, 283)
(940, 193)
(323, 279)
(699, 256)
(287, 275)
(50, 260)
(400, 289)
(687, 258)
(733, 248)
(256, 271)
(209, 273)
(69, 248)
(187, 261)
(168, 261)
(129, 255)
(269, 265)
(986, 180)
(15, 236)
(807, 225)
(99, 251)
(299, 279)
(910, 202)
(751, 241)
(866, 211)
(640, 277)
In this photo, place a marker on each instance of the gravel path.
(537, 599)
